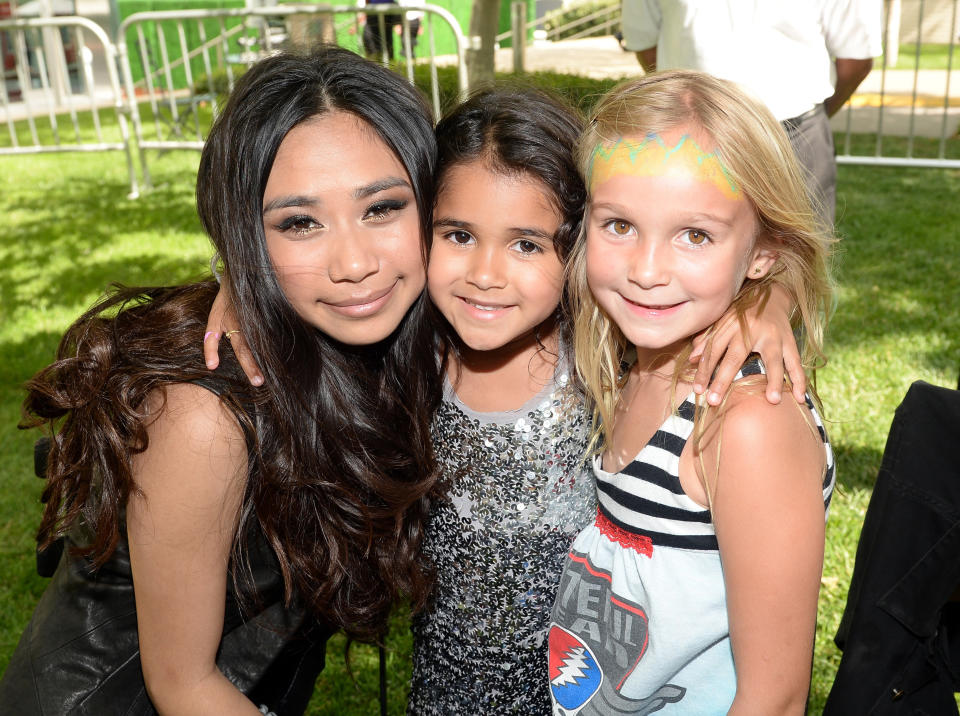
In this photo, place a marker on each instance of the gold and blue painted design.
(652, 156)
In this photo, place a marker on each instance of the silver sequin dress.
(520, 492)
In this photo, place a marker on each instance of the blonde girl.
(695, 589)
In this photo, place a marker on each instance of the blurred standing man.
(785, 52)
(377, 38)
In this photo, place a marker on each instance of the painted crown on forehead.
(652, 156)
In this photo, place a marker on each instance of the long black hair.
(341, 462)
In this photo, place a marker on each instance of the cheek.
(713, 280)
(406, 252)
(293, 265)
(547, 273)
(416, 276)
(442, 268)
(547, 285)
(599, 262)
(743, 270)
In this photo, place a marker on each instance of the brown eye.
(525, 246)
(298, 225)
(460, 238)
(697, 238)
(621, 227)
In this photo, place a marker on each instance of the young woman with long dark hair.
(217, 533)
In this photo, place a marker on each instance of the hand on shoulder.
(770, 444)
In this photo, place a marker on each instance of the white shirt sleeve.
(640, 21)
(852, 28)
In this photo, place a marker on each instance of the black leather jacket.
(80, 653)
(900, 632)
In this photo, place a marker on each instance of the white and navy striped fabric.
(640, 621)
(646, 497)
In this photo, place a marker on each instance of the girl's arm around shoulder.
(769, 518)
(181, 527)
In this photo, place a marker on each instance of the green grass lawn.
(66, 231)
(933, 56)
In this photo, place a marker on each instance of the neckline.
(559, 379)
(598, 459)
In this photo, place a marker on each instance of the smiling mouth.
(652, 307)
(486, 307)
(361, 306)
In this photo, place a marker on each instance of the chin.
(483, 344)
(357, 335)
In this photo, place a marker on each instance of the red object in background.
(9, 59)
(9, 75)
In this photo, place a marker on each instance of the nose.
(486, 269)
(351, 258)
(649, 264)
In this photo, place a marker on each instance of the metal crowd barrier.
(188, 60)
(67, 87)
(908, 104)
(898, 107)
(61, 74)
(49, 98)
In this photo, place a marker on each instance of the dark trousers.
(900, 632)
(375, 40)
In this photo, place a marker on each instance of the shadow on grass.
(856, 466)
(907, 262)
(63, 247)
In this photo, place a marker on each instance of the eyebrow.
(380, 185)
(448, 222)
(691, 218)
(362, 192)
(712, 217)
(283, 202)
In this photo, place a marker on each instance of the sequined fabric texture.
(520, 492)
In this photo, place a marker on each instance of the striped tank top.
(640, 622)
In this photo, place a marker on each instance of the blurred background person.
(378, 37)
(804, 60)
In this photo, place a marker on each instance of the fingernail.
(698, 389)
(775, 395)
(257, 380)
(211, 364)
(208, 334)
(714, 398)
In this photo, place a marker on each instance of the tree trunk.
(484, 22)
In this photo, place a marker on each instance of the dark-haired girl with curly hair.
(217, 533)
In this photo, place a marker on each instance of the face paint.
(654, 157)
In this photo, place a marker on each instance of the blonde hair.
(753, 148)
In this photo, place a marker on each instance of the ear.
(763, 259)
